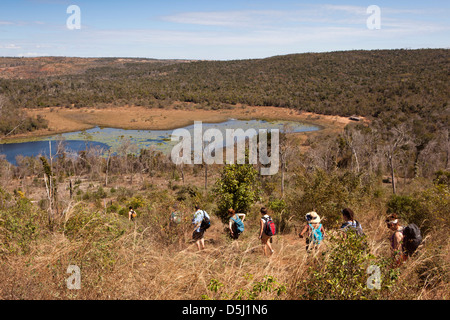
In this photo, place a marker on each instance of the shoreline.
(64, 120)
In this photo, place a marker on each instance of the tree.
(421, 139)
(237, 188)
(286, 150)
(50, 187)
(397, 139)
(353, 140)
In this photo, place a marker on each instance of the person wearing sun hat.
(312, 217)
(396, 240)
(314, 229)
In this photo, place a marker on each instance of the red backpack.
(269, 227)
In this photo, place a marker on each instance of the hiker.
(175, 216)
(396, 240)
(314, 230)
(266, 231)
(131, 214)
(236, 223)
(201, 220)
(350, 223)
(404, 240)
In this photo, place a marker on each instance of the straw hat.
(312, 217)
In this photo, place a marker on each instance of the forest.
(389, 85)
(73, 209)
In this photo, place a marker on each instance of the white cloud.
(10, 46)
(226, 18)
(357, 10)
(319, 14)
(311, 22)
(32, 54)
(255, 32)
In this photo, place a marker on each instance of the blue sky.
(218, 30)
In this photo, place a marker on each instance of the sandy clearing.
(63, 120)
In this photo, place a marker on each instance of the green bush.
(136, 202)
(405, 206)
(20, 225)
(187, 192)
(342, 272)
(268, 288)
(442, 177)
(428, 209)
(280, 214)
(123, 212)
(237, 188)
(84, 224)
(327, 194)
(94, 244)
(112, 208)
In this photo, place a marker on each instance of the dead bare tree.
(126, 152)
(50, 181)
(446, 139)
(286, 150)
(353, 140)
(397, 138)
(49, 187)
(108, 160)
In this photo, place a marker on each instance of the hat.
(312, 217)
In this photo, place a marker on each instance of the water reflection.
(118, 140)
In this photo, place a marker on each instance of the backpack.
(176, 217)
(316, 234)
(239, 224)
(356, 229)
(411, 238)
(133, 213)
(269, 228)
(206, 222)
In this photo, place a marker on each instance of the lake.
(132, 141)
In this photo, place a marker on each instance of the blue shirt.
(198, 218)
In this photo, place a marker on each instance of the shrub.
(280, 216)
(237, 188)
(268, 288)
(327, 194)
(123, 194)
(112, 208)
(136, 202)
(442, 177)
(100, 193)
(428, 209)
(342, 273)
(187, 192)
(19, 225)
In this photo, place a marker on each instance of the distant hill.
(389, 84)
(31, 68)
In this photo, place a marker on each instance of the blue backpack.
(316, 234)
(239, 224)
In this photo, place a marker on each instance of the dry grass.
(146, 268)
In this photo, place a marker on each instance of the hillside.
(389, 85)
(343, 83)
(153, 259)
(73, 209)
(32, 68)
